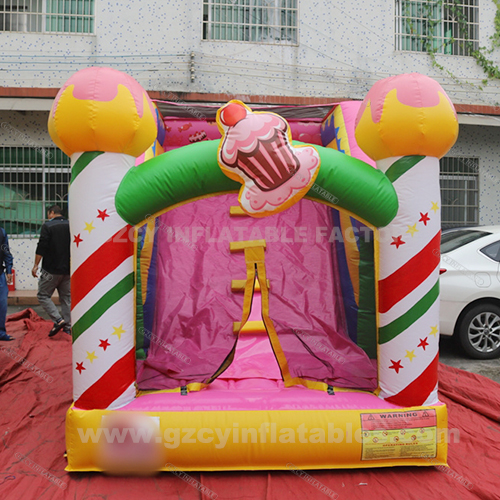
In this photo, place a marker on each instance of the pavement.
(449, 352)
(26, 298)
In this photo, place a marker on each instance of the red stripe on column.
(99, 264)
(419, 390)
(405, 279)
(110, 386)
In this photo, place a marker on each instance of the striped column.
(102, 283)
(408, 284)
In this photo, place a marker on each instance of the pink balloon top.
(413, 89)
(101, 84)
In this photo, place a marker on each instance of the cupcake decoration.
(256, 150)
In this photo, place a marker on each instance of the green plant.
(431, 13)
(495, 38)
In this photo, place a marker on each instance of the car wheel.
(479, 332)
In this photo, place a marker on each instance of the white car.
(470, 289)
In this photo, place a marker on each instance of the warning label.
(399, 435)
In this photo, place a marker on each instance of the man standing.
(5, 265)
(54, 248)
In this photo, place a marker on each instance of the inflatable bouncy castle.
(246, 299)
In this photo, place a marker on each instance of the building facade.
(293, 52)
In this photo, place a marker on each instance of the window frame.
(469, 173)
(497, 258)
(36, 178)
(455, 239)
(255, 29)
(38, 17)
(449, 38)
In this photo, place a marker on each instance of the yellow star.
(118, 331)
(89, 227)
(412, 229)
(410, 355)
(91, 356)
(435, 207)
(434, 330)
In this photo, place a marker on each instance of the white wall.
(483, 142)
(24, 128)
(23, 252)
(344, 48)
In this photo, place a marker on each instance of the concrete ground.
(11, 309)
(450, 353)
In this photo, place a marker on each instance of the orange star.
(91, 356)
(118, 331)
(410, 355)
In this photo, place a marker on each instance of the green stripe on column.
(367, 310)
(102, 305)
(401, 166)
(392, 330)
(139, 315)
(82, 162)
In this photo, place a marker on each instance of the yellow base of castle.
(254, 440)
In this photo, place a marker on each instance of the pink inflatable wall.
(183, 131)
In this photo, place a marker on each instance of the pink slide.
(195, 308)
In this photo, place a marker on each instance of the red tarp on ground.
(32, 413)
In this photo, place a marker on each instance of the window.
(31, 180)
(47, 16)
(457, 238)
(459, 179)
(445, 26)
(264, 21)
(492, 251)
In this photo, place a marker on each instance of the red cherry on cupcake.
(232, 114)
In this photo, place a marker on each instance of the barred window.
(260, 21)
(444, 26)
(459, 179)
(31, 180)
(47, 16)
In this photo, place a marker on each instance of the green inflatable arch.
(192, 171)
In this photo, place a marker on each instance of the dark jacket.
(5, 255)
(54, 246)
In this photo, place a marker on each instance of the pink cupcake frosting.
(244, 135)
(257, 145)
